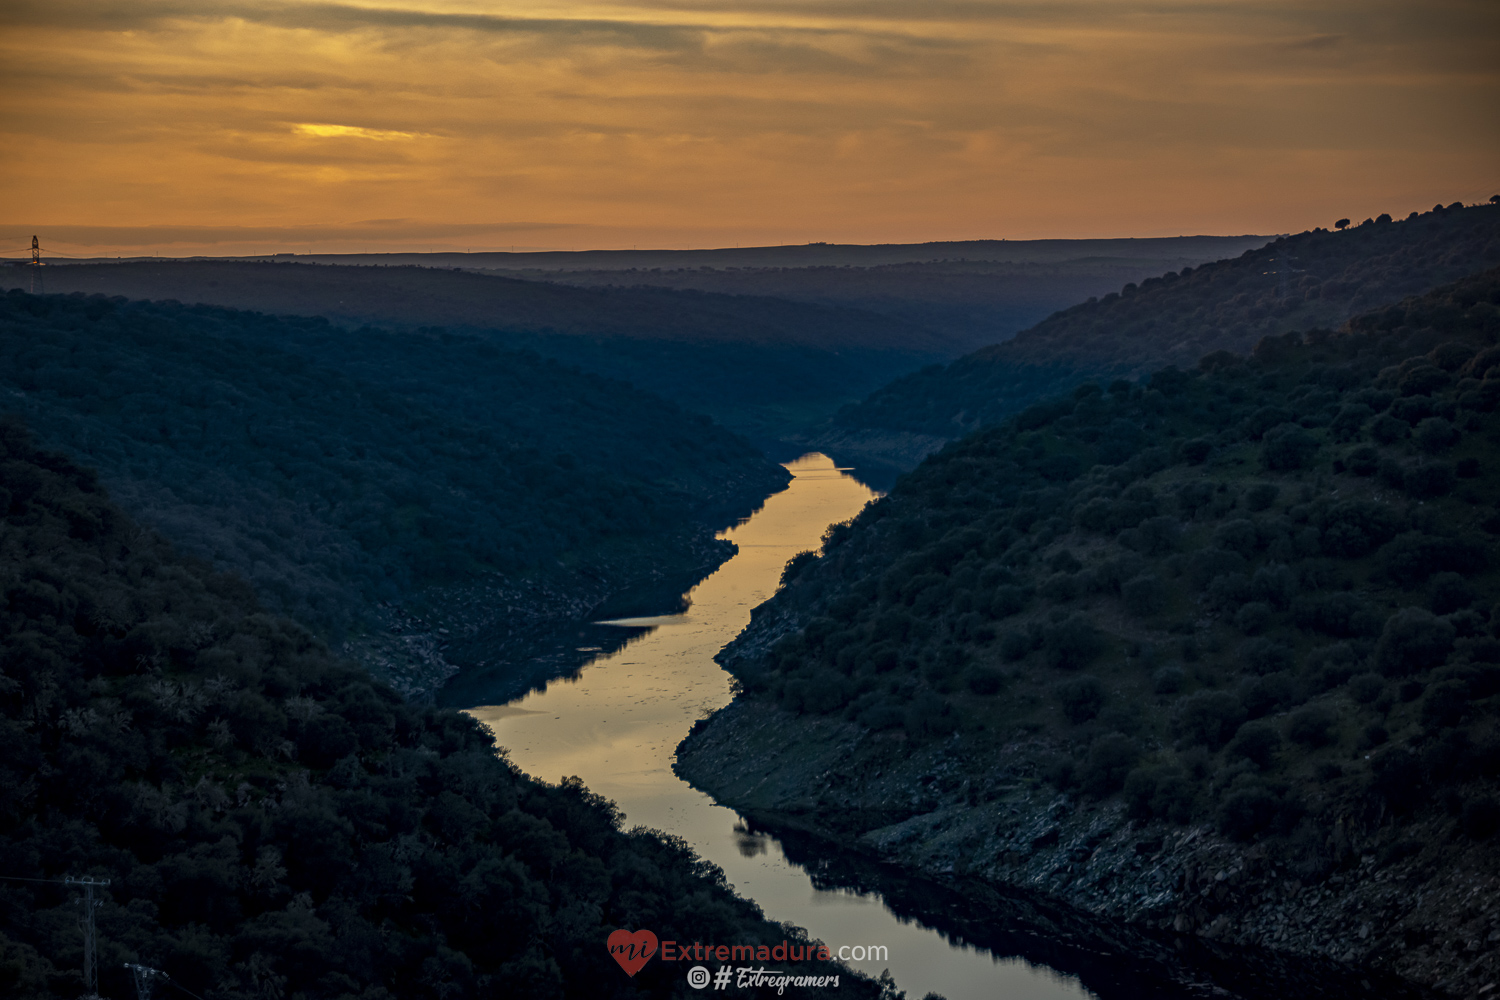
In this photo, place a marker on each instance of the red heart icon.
(632, 951)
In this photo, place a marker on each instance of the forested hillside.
(1313, 279)
(336, 470)
(1255, 600)
(762, 366)
(271, 822)
(972, 293)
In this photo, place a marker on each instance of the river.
(617, 724)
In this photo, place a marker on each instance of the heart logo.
(632, 951)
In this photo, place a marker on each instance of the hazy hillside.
(971, 302)
(1317, 278)
(1105, 646)
(272, 823)
(764, 367)
(337, 470)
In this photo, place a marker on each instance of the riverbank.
(973, 817)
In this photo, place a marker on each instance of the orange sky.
(182, 126)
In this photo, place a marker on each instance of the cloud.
(352, 132)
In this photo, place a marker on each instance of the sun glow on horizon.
(701, 122)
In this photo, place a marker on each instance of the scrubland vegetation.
(273, 823)
(1316, 279)
(1258, 595)
(334, 469)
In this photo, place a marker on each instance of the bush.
(1261, 496)
(985, 680)
(1256, 742)
(1265, 656)
(1169, 680)
(1411, 558)
(1264, 695)
(1388, 429)
(1435, 435)
(1288, 446)
(1208, 718)
(1425, 480)
(1196, 450)
(1365, 688)
(1162, 791)
(1238, 536)
(1246, 812)
(1275, 584)
(929, 715)
(1009, 600)
(1362, 461)
(1108, 762)
(1072, 642)
(1205, 564)
(1413, 640)
(1229, 590)
(1312, 725)
(1253, 618)
(1448, 592)
(1144, 595)
(1445, 704)
(1081, 698)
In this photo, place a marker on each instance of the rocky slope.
(1411, 906)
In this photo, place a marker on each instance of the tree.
(1341, 224)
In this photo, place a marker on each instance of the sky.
(203, 126)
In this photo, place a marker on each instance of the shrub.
(1245, 812)
(1445, 704)
(1081, 698)
(1163, 791)
(1349, 420)
(1426, 480)
(985, 680)
(1009, 600)
(1288, 446)
(1261, 496)
(1072, 642)
(1169, 680)
(1229, 590)
(1413, 640)
(1341, 614)
(1356, 528)
(1253, 618)
(1265, 656)
(1362, 461)
(1411, 558)
(1388, 429)
(1256, 742)
(1205, 564)
(1109, 760)
(1448, 592)
(928, 715)
(1144, 595)
(1196, 450)
(1312, 725)
(1015, 645)
(1435, 435)
(1365, 688)
(1207, 718)
(1275, 584)
(1239, 535)
(1263, 695)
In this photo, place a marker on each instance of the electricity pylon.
(36, 266)
(90, 904)
(145, 979)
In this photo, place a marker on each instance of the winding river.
(617, 724)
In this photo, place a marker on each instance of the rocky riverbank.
(1406, 902)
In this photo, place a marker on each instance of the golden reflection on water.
(617, 725)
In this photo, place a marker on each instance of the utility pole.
(145, 979)
(90, 904)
